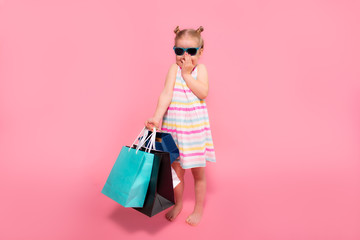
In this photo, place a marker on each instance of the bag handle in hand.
(144, 132)
(151, 143)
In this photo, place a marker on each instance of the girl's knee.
(179, 170)
(198, 173)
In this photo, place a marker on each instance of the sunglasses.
(180, 51)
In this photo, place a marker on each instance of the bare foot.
(174, 212)
(194, 218)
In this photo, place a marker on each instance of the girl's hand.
(187, 65)
(151, 122)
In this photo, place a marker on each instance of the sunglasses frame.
(185, 50)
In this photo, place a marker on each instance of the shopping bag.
(176, 179)
(129, 178)
(165, 142)
(160, 194)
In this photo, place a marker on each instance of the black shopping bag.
(160, 194)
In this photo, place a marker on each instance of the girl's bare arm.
(166, 94)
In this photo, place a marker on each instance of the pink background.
(79, 78)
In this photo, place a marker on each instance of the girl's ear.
(200, 51)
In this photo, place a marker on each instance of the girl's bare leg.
(200, 191)
(178, 193)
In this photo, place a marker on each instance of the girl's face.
(188, 42)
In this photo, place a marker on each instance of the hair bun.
(200, 29)
(177, 29)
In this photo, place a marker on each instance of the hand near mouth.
(187, 65)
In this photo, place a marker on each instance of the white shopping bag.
(175, 177)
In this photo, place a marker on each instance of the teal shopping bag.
(129, 178)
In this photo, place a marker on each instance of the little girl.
(183, 112)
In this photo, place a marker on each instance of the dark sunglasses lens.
(192, 51)
(179, 51)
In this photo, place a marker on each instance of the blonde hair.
(191, 33)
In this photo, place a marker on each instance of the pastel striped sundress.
(187, 120)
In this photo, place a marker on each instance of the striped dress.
(187, 120)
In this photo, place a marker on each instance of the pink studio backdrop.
(79, 78)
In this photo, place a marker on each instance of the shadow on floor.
(134, 221)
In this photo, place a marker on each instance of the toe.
(169, 217)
